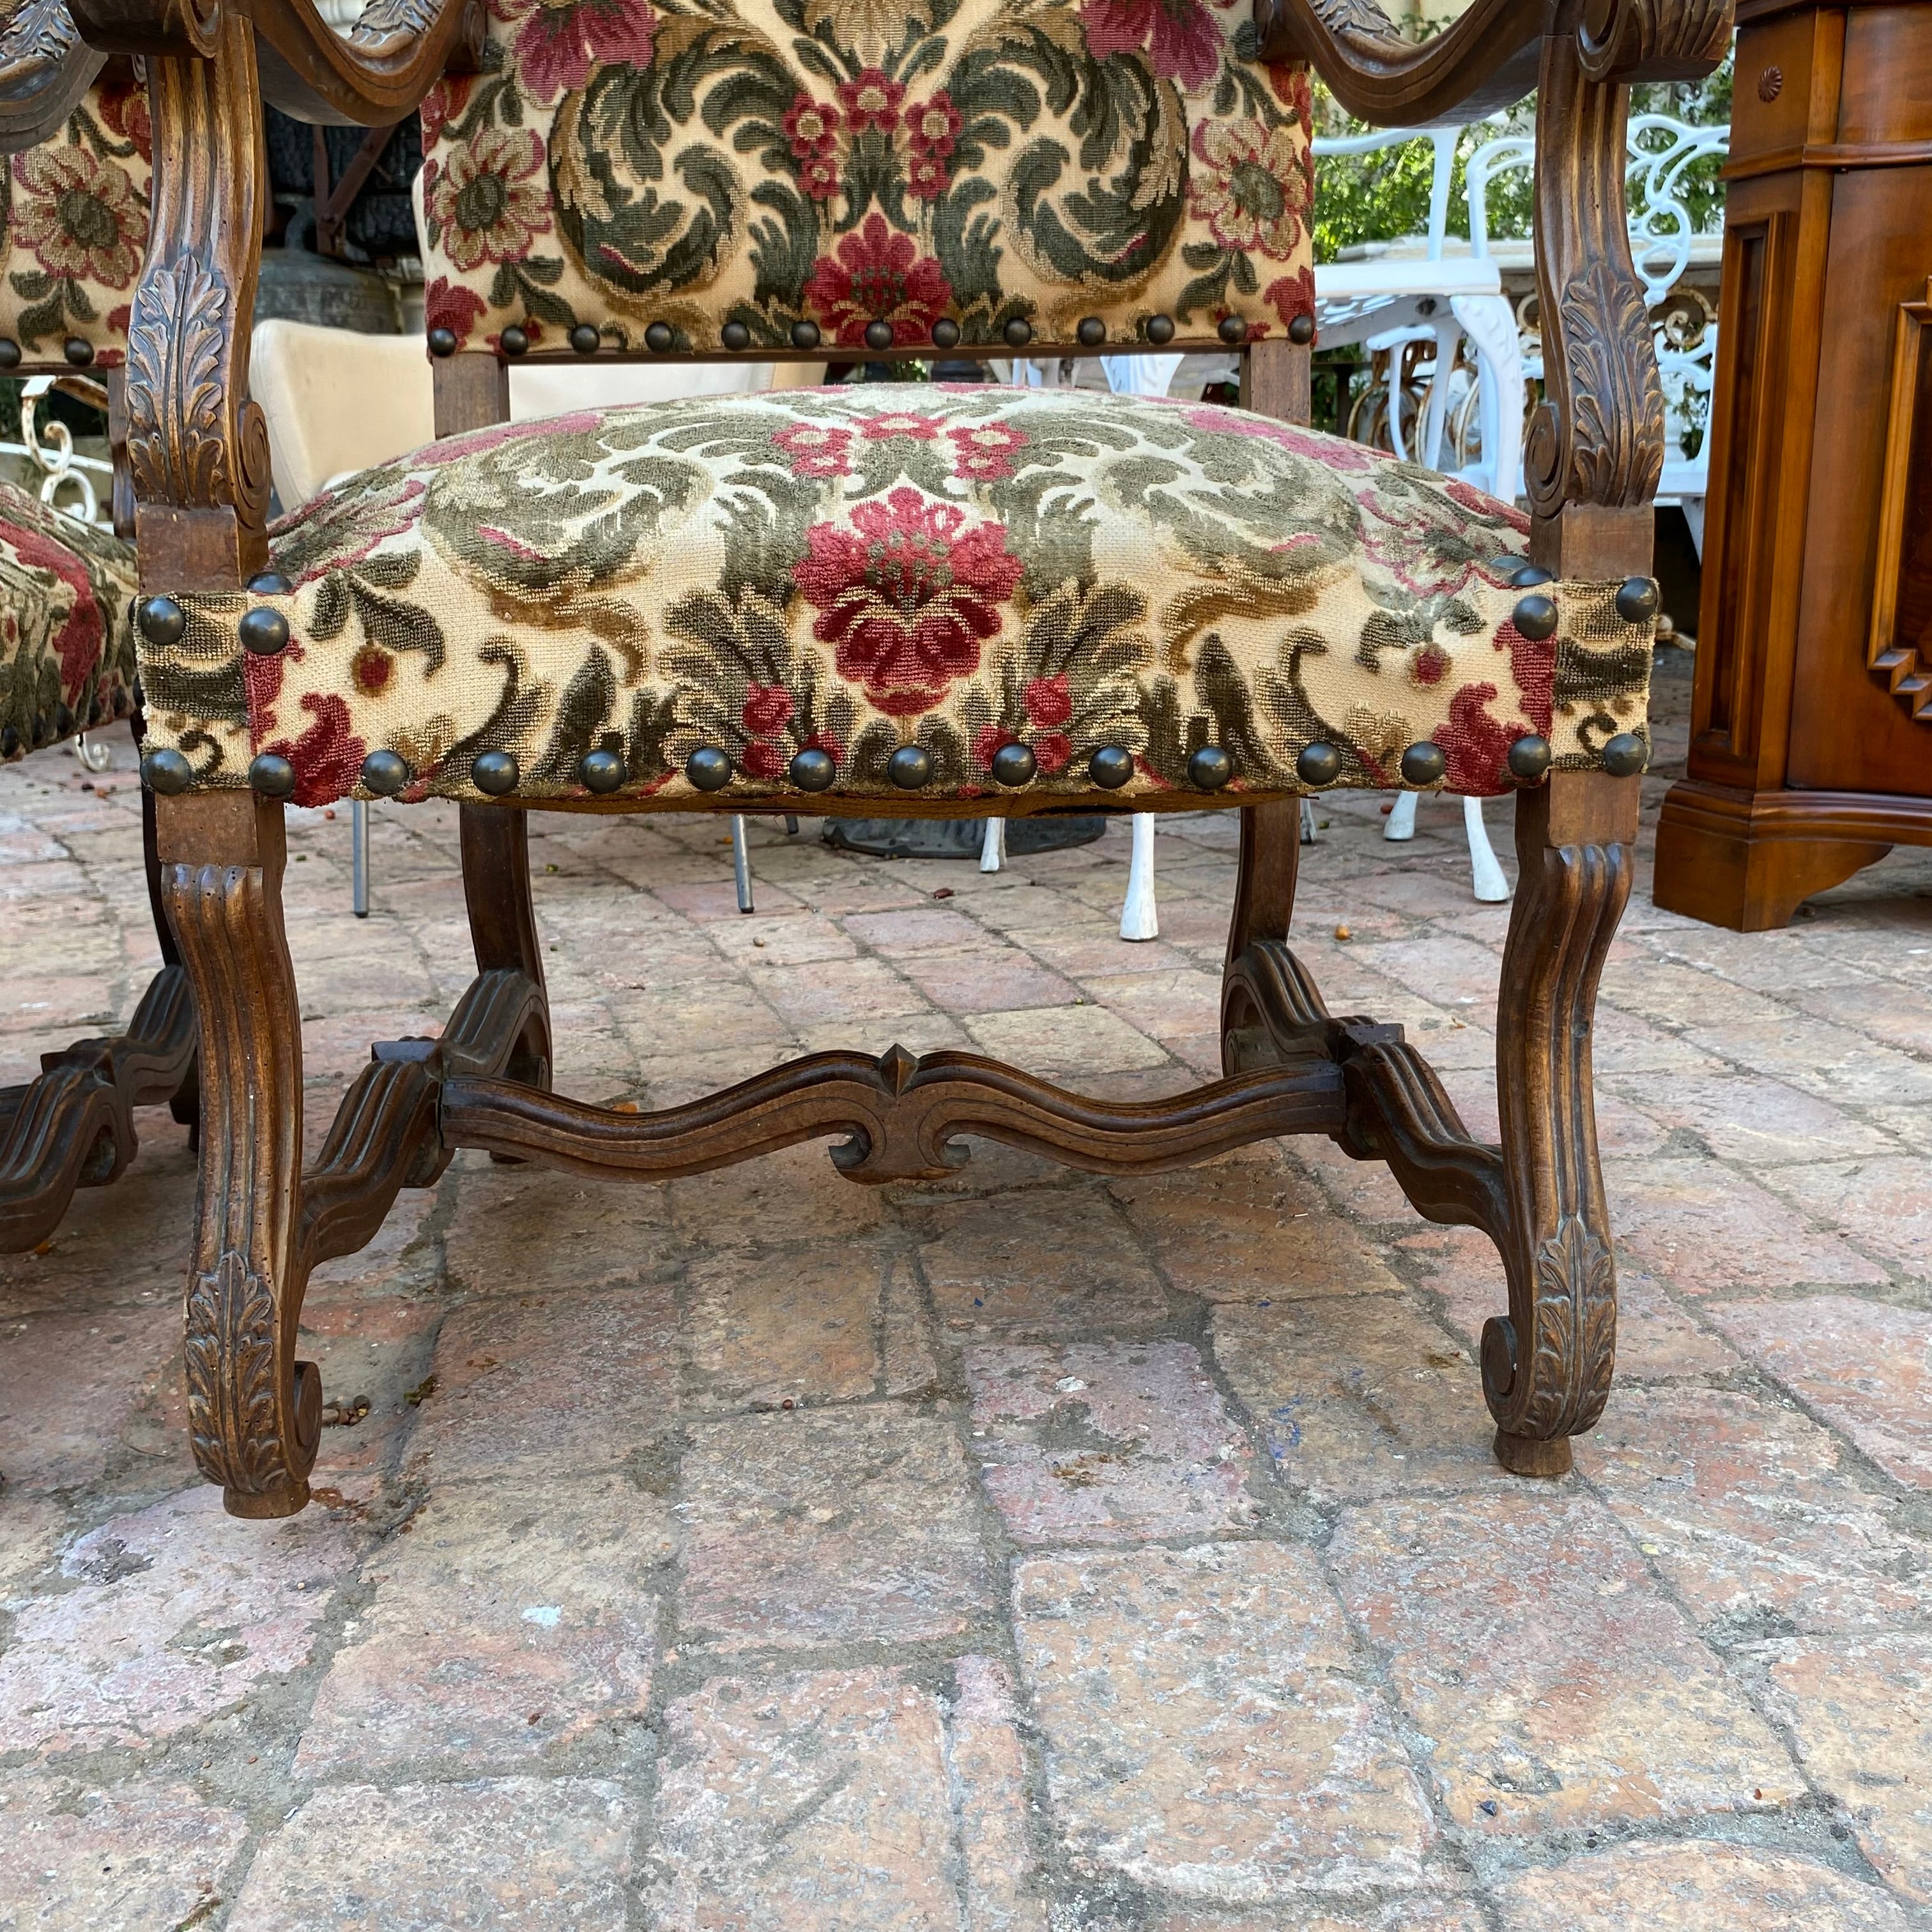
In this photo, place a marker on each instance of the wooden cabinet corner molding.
(1901, 653)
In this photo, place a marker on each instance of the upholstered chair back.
(73, 226)
(921, 175)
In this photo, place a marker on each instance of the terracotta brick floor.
(1022, 1552)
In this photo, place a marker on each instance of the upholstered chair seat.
(67, 641)
(974, 598)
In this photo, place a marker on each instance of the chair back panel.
(73, 226)
(737, 171)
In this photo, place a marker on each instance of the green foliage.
(1384, 196)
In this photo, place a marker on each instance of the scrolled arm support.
(45, 69)
(1633, 40)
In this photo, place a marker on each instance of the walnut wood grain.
(1482, 61)
(254, 1411)
(902, 1117)
(197, 447)
(502, 921)
(262, 1224)
(1598, 435)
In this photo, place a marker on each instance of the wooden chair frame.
(73, 1125)
(199, 466)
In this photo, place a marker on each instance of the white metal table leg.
(1308, 821)
(1401, 824)
(993, 846)
(1491, 886)
(741, 862)
(358, 857)
(1138, 917)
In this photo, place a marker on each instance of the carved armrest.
(1595, 449)
(372, 78)
(1489, 56)
(45, 69)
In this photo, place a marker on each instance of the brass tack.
(1209, 769)
(601, 771)
(1534, 616)
(162, 620)
(263, 630)
(804, 335)
(166, 771)
(385, 772)
(1015, 765)
(271, 774)
(1301, 330)
(514, 341)
(1529, 758)
(585, 339)
(1636, 600)
(443, 342)
(1319, 765)
(1160, 329)
(1423, 764)
(495, 773)
(909, 767)
(1625, 755)
(1111, 767)
(813, 770)
(659, 338)
(708, 768)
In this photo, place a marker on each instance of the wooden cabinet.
(1811, 728)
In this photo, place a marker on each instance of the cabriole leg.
(254, 1411)
(1547, 1365)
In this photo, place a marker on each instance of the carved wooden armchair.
(73, 224)
(965, 601)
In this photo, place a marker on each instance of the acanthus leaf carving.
(177, 447)
(229, 1355)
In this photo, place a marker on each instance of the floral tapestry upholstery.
(755, 163)
(73, 226)
(67, 646)
(852, 570)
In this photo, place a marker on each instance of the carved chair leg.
(254, 1411)
(184, 1104)
(503, 922)
(1547, 1365)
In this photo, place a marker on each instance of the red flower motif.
(985, 452)
(768, 710)
(1179, 36)
(1429, 665)
(819, 178)
(1474, 744)
(1047, 701)
(811, 126)
(814, 451)
(448, 305)
(1051, 750)
(328, 756)
(906, 596)
(761, 760)
(1470, 498)
(124, 110)
(1533, 665)
(442, 104)
(872, 100)
(890, 423)
(559, 43)
(933, 126)
(989, 740)
(486, 202)
(878, 276)
(1292, 296)
(926, 178)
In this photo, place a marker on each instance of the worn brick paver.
(1015, 1551)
